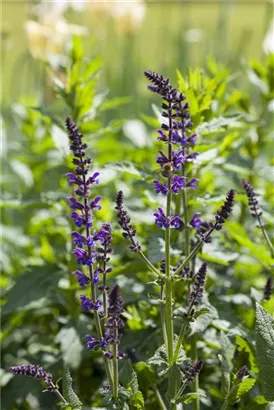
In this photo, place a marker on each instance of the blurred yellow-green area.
(130, 36)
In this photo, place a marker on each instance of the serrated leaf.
(204, 320)
(71, 346)
(244, 387)
(68, 391)
(137, 400)
(265, 350)
(160, 361)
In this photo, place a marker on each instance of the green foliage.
(265, 350)
(68, 392)
(41, 315)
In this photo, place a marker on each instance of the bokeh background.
(160, 35)
(86, 59)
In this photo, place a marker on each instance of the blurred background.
(130, 36)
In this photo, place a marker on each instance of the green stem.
(266, 237)
(192, 253)
(149, 264)
(115, 372)
(162, 311)
(196, 402)
(179, 343)
(160, 400)
(168, 286)
(58, 394)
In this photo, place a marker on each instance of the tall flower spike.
(224, 212)
(268, 289)
(252, 200)
(32, 370)
(198, 286)
(124, 221)
(193, 371)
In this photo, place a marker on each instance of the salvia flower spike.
(268, 288)
(198, 286)
(32, 370)
(92, 249)
(256, 212)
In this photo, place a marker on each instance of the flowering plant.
(175, 366)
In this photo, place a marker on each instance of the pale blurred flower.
(58, 7)
(193, 35)
(49, 38)
(268, 43)
(127, 15)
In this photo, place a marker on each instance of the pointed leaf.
(68, 391)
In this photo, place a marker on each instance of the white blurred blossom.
(127, 15)
(268, 43)
(50, 36)
(193, 35)
(58, 7)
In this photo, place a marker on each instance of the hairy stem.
(115, 371)
(58, 394)
(168, 289)
(196, 402)
(160, 400)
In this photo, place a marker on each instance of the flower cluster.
(175, 131)
(252, 200)
(268, 288)
(113, 324)
(32, 370)
(198, 286)
(124, 221)
(193, 372)
(86, 251)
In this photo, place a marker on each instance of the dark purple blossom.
(124, 221)
(32, 370)
(92, 342)
(225, 211)
(161, 220)
(253, 203)
(78, 240)
(192, 183)
(95, 203)
(82, 279)
(83, 257)
(88, 304)
(195, 221)
(241, 372)
(178, 183)
(75, 204)
(176, 222)
(268, 288)
(160, 188)
(193, 371)
(198, 286)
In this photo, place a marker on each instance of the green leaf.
(203, 320)
(244, 387)
(71, 346)
(160, 361)
(32, 286)
(77, 51)
(137, 400)
(265, 350)
(125, 168)
(225, 381)
(114, 103)
(187, 398)
(68, 391)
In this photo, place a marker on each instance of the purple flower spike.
(178, 184)
(75, 204)
(160, 219)
(32, 370)
(160, 188)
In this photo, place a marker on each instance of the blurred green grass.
(229, 31)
